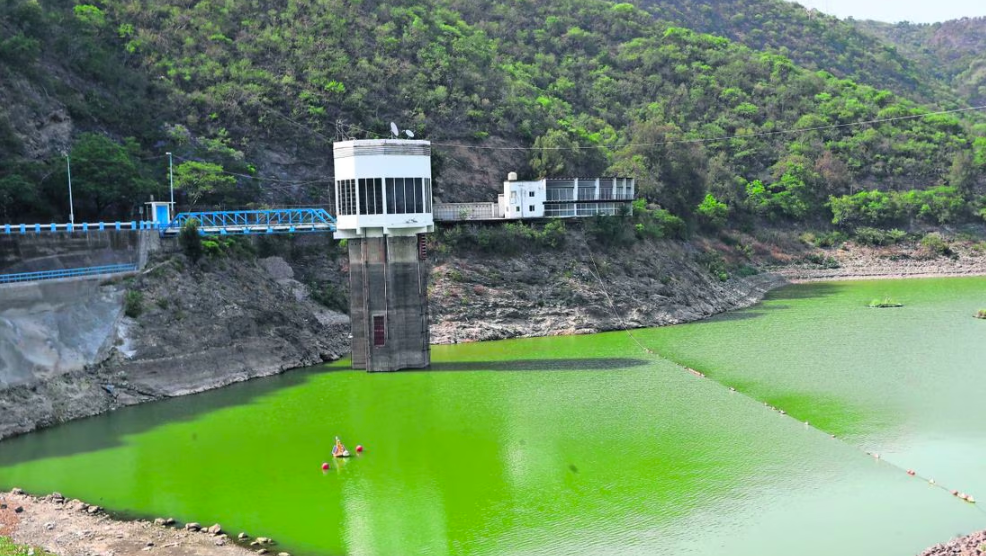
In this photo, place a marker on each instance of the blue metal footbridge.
(272, 221)
(220, 222)
(210, 223)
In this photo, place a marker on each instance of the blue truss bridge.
(272, 221)
(220, 222)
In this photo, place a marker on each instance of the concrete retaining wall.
(55, 251)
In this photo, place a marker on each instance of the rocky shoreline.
(72, 527)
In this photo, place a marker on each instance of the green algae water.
(582, 445)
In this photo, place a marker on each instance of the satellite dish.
(394, 130)
(409, 133)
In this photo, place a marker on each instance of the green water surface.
(582, 445)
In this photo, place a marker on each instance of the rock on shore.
(71, 527)
(970, 545)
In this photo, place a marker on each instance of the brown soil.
(71, 527)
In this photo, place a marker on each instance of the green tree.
(17, 196)
(712, 213)
(668, 170)
(106, 176)
(963, 173)
(203, 180)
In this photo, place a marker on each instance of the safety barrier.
(272, 221)
(11, 229)
(66, 273)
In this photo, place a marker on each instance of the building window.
(530, 208)
(408, 195)
(346, 197)
(518, 209)
(379, 331)
(530, 193)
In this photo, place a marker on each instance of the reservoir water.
(582, 445)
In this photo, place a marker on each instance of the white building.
(382, 187)
(548, 198)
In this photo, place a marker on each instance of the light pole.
(71, 205)
(171, 179)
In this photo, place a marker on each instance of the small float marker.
(325, 466)
(359, 448)
(911, 472)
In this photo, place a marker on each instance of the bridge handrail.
(65, 273)
(254, 218)
(37, 228)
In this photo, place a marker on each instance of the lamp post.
(71, 205)
(171, 179)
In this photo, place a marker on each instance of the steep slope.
(261, 89)
(812, 39)
(955, 51)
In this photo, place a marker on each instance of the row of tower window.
(368, 196)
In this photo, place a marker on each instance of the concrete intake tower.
(383, 209)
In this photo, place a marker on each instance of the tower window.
(530, 208)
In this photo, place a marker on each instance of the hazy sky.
(892, 11)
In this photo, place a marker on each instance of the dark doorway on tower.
(379, 330)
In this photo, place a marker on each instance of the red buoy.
(325, 466)
(359, 448)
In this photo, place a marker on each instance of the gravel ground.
(74, 528)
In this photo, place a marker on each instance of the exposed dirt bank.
(854, 262)
(74, 528)
(583, 290)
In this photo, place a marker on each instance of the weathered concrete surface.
(388, 284)
(53, 251)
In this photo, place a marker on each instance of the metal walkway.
(66, 273)
(273, 221)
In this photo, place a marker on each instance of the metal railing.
(568, 195)
(256, 221)
(66, 273)
(11, 229)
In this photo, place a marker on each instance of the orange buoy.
(325, 466)
(359, 448)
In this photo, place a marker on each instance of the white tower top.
(383, 187)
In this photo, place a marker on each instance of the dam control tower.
(383, 210)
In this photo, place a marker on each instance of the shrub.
(874, 236)
(133, 304)
(610, 230)
(935, 244)
(190, 239)
(712, 213)
(327, 295)
(714, 263)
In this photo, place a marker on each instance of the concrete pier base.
(388, 304)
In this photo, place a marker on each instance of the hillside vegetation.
(954, 51)
(233, 89)
(811, 39)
